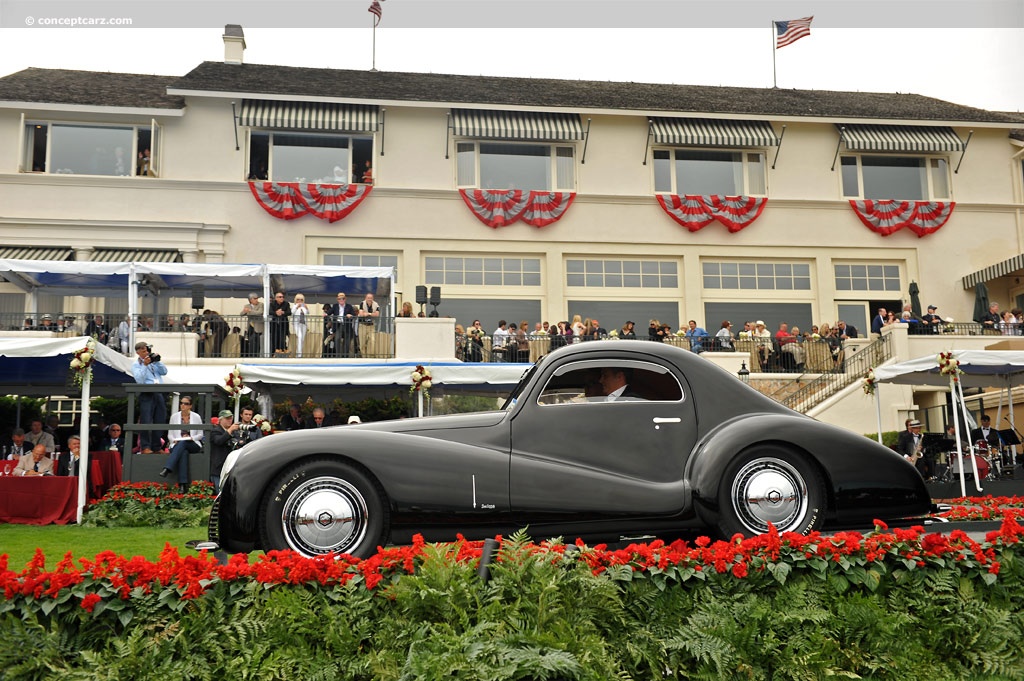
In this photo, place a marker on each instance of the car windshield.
(517, 391)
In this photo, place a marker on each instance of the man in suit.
(911, 445)
(114, 439)
(17, 447)
(992, 319)
(69, 463)
(318, 419)
(878, 321)
(615, 383)
(293, 419)
(987, 433)
(254, 311)
(344, 327)
(37, 463)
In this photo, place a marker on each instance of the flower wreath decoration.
(949, 366)
(233, 383)
(263, 424)
(421, 380)
(81, 363)
(869, 382)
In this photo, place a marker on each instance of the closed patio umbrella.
(980, 302)
(915, 299)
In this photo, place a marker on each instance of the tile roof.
(573, 94)
(91, 88)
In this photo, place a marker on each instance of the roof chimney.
(234, 44)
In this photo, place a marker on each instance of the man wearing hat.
(222, 441)
(911, 445)
(46, 323)
(987, 433)
(932, 322)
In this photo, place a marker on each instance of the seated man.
(114, 439)
(615, 383)
(18, 447)
(35, 464)
(38, 436)
(69, 464)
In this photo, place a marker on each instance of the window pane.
(730, 282)
(711, 268)
(433, 263)
(513, 264)
(648, 267)
(435, 277)
(466, 164)
(565, 168)
(708, 172)
(492, 278)
(669, 281)
(631, 266)
(802, 283)
(513, 279)
(515, 166)
(755, 175)
(842, 271)
(351, 261)
(851, 187)
(894, 178)
(574, 280)
(784, 283)
(474, 278)
(573, 265)
(453, 278)
(802, 270)
(531, 279)
(613, 266)
(531, 264)
(596, 280)
(669, 268)
(662, 171)
(613, 280)
(631, 281)
(453, 264)
(747, 268)
(309, 158)
(90, 150)
(332, 260)
(748, 283)
(492, 264)
(474, 264)
(595, 266)
(940, 178)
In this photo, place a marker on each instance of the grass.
(19, 542)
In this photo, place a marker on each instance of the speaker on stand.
(435, 300)
(421, 297)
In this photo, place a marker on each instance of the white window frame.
(553, 159)
(155, 154)
(744, 160)
(841, 293)
(758, 277)
(521, 272)
(930, 162)
(351, 136)
(605, 273)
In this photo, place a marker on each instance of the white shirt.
(615, 394)
(176, 434)
(499, 338)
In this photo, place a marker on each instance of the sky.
(980, 67)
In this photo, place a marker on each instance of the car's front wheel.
(324, 506)
(770, 485)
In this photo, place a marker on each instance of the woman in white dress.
(299, 312)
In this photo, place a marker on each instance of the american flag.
(376, 11)
(788, 32)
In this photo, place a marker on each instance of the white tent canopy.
(381, 373)
(981, 369)
(39, 366)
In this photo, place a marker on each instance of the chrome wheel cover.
(324, 514)
(769, 489)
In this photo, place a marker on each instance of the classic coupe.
(680, 445)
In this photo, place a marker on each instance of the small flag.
(376, 11)
(788, 32)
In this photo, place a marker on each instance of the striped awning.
(709, 132)
(906, 138)
(1000, 269)
(30, 253)
(516, 125)
(134, 255)
(321, 116)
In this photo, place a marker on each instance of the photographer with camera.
(223, 441)
(247, 430)
(149, 370)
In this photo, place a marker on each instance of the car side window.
(592, 382)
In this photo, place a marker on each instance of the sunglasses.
(186, 404)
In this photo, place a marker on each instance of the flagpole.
(774, 50)
(373, 66)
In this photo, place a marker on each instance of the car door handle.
(661, 419)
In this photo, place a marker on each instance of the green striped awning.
(1001, 269)
(321, 116)
(34, 253)
(709, 132)
(905, 138)
(516, 125)
(134, 255)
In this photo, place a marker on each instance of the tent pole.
(956, 430)
(133, 307)
(974, 462)
(878, 414)
(83, 446)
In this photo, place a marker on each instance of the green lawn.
(19, 542)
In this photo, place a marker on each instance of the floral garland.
(233, 383)
(265, 426)
(949, 366)
(869, 382)
(421, 380)
(81, 363)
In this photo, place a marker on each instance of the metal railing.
(229, 336)
(847, 371)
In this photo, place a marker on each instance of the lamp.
(744, 373)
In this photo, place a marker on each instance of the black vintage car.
(685, 445)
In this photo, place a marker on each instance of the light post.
(744, 373)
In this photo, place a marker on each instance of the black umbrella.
(980, 302)
(915, 299)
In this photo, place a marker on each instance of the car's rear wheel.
(324, 506)
(770, 484)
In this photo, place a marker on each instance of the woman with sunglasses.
(184, 441)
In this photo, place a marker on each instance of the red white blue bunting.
(498, 208)
(886, 216)
(290, 200)
(696, 212)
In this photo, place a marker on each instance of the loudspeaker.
(435, 295)
(421, 295)
(198, 297)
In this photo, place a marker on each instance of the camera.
(152, 355)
